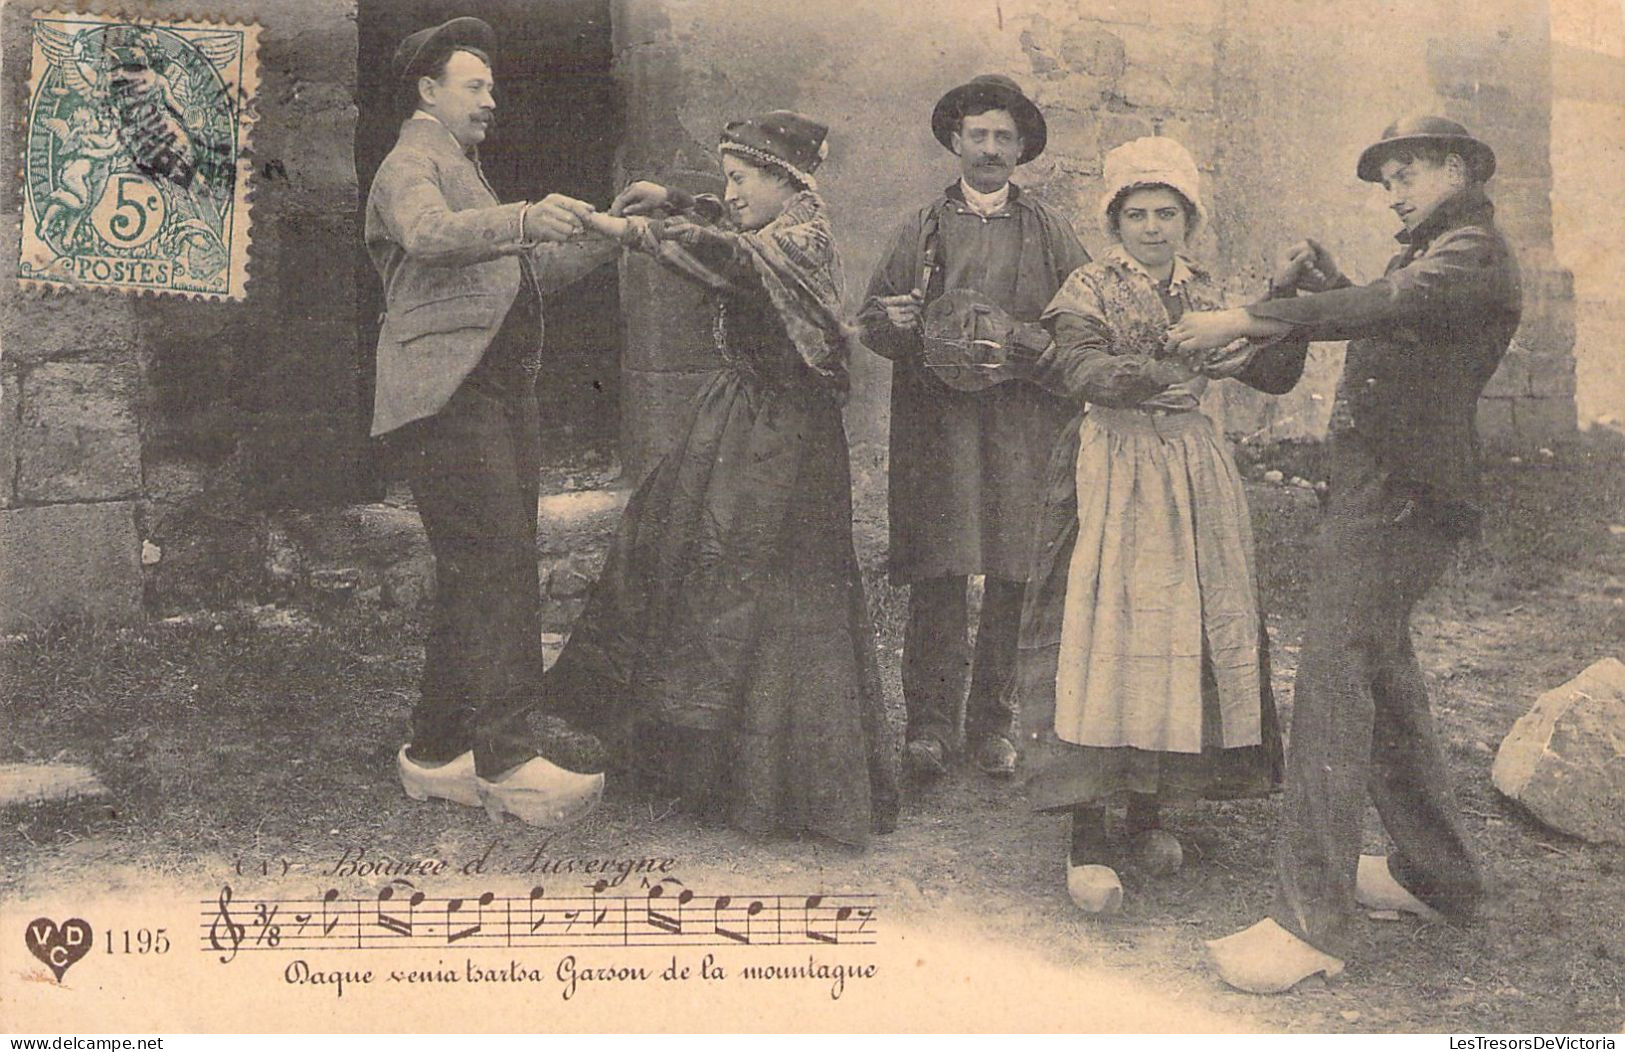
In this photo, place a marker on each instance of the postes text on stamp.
(135, 173)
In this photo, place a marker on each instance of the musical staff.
(401, 916)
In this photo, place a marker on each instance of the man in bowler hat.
(1424, 340)
(967, 467)
(458, 357)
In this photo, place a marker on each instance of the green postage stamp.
(135, 174)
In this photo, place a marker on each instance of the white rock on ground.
(1564, 760)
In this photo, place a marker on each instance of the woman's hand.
(1207, 330)
(1229, 361)
(640, 199)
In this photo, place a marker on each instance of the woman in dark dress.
(726, 651)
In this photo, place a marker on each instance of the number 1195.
(140, 940)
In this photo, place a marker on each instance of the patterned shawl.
(795, 259)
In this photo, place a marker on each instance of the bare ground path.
(262, 741)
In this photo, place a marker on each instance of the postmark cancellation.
(135, 174)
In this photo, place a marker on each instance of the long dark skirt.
(726, 652)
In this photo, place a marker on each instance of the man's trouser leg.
(1359, 704)
(988, 709)
(472, 469)
(936, 658)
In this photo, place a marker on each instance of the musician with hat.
(967, 456)
(1424, 340)
(459, 351)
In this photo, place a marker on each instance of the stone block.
(66, 560)
(1551, 375)
(79, 438)
(1074, 134)
(1168, 69)
(1495, 420)
(42, 325)
(1564, 760)
(10, 421)
(1542, 420)
(1094, 51)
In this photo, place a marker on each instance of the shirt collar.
(1181, 274)
(1469, 206)
(985, 204)
(956, 194)
(424, 115)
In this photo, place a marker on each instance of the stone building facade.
(144, 441)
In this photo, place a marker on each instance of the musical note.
(751, 911)
(536, 920)
(597, 914)
(812, 903)
(329, 923)
(453, 905)
(391, 922)
(234, 931)
(662, 920)
(659, 914)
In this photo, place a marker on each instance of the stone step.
(33, 783)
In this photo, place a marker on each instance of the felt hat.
(1003, 93)
(1427, 131)
(414, 52)
(1152, 161)
(782, 139)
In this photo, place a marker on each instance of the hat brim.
(1029, 121)
(1477, 154)
(466, 31)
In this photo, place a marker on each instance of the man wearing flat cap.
(1424, 340)
(967, 466)
(458, 356)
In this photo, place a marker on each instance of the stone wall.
(141, 436)
(1274, 97)
(1588, 184)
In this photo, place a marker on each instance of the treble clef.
(234, 932)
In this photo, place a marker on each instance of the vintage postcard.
(630, 516)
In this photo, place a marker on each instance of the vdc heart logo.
(58, 947)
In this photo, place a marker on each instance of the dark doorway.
(559, 121)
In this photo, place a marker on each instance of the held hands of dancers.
(554, 218)
(1307, 267)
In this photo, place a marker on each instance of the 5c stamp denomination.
(134, 171)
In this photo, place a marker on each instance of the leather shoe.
(453, 780)
(996, 756)
(541, 793)
(925, 759)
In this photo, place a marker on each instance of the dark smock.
(727, 646)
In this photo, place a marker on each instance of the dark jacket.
(967, 469)
(1424, 340)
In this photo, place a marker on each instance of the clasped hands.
(1214, 343)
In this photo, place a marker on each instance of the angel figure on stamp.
(87, 149)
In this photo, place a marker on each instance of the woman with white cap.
(1144, 670)
(725, 653)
